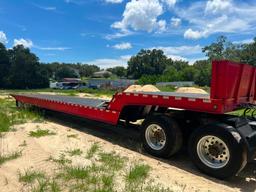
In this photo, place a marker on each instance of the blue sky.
(108, 32)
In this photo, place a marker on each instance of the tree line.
(21, 69)
(151, 66)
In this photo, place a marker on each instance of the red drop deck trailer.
(219, 144)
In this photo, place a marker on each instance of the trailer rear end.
(219, 144)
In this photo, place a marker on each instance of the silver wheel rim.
(155, 137)
(213, 152)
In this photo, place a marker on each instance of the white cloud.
(123, 46)
(27, 43)
(177, 57)
(245, 41)
(118, 35)
(210, 18)
(77, 2)
(191, 61)
(218, 5)
(107, 62)
(170, 3)
(3, 38)
(184, 52)
(175, 22)
(53, 48)
(191, 34)
(49, 8)
(113, 1)
(162, 26)
(140, 15)
(46, 8)
(180, 50)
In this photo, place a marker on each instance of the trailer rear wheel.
(161, 136)
(216, 152)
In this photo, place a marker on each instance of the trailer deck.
(232, 84)
(90, 102)
(203, 119)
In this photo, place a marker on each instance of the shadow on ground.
(129, 138)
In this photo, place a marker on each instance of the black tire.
(237, 150)
(172, 131)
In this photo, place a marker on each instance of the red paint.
(231, 85)
(96, 114)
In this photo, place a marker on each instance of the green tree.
(248, 53)
(4, 65)
(179, 65)
(149, 79)
(147, 62)
(202, 72)
(119, 71)
(86, 70)
(216, 50)
(170, 74)
(188, 74)
(25, 70)
(224, 49)
(66, 72)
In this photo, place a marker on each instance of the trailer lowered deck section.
(94, 109)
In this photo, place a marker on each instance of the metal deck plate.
(174, 94)
(68, 99)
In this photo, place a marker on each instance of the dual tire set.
(213, 148)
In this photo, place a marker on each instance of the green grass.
(9, 157)
(42, 186)
(61, 160)
(75, 152)
(30, 176)
(137, 180)
(5, 122)
(111, 161)
(41, 133)
(10, 115)
(54, 187)
(75, 172)
(72, 94)
(138, 173)
(92, 151)
(91, 178)
(100, 175)
(240, 112)
(24, 115)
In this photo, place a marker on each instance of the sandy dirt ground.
(178, 173)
